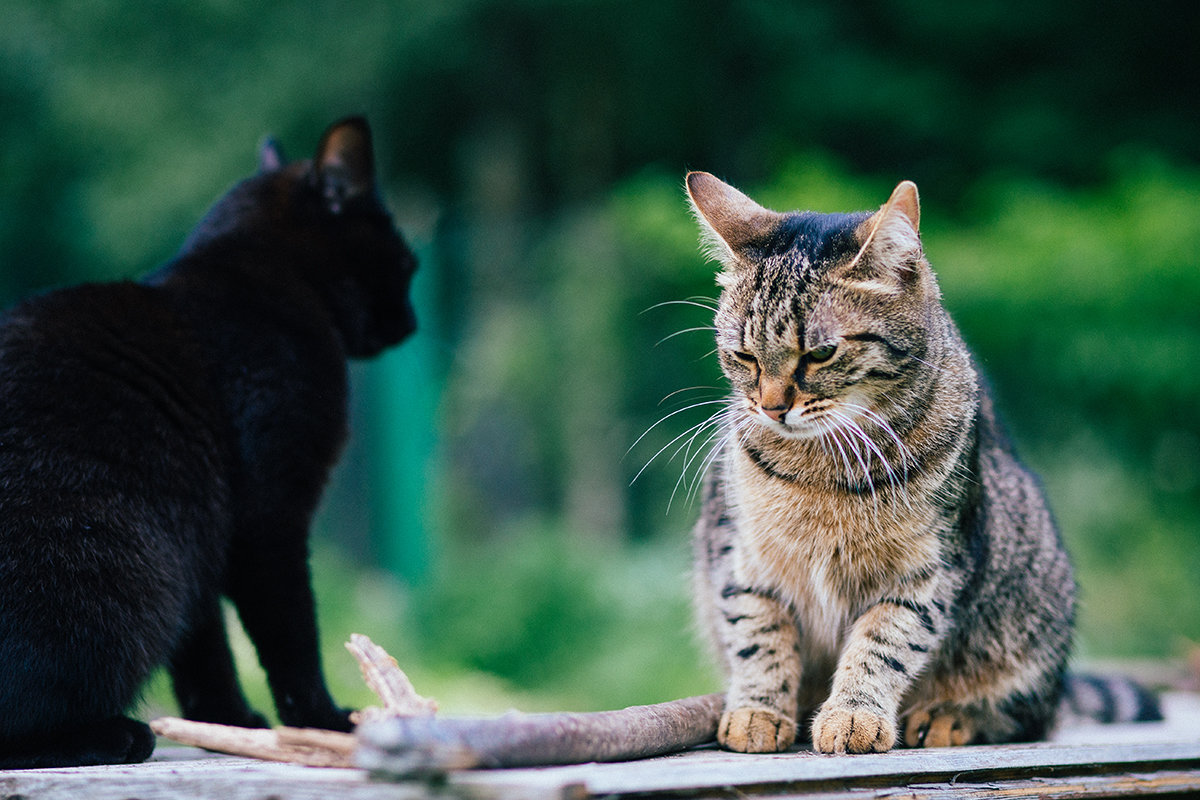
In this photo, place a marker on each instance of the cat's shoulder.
(85, 308)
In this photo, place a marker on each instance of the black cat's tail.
(1094, 698)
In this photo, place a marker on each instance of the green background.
(485, 525)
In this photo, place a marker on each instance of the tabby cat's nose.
(775, 396)
(776, 413)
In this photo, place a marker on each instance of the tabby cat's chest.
(829, 553)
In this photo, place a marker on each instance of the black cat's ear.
(731, 223)
(344, 166)
(270, 155)
(891, 243)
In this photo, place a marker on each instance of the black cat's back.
(163, 444)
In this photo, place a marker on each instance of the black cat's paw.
(117, 740)
(330, 719)
(336, 719)
(139, 740)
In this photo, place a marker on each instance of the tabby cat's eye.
(822, 353)
(745, 358)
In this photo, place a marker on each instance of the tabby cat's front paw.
(756, 730)
(852, 730)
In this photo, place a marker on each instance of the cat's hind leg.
(60, 710)
(948, 726)
(1019, 719)
(949, 711)
(73, 656)
(116, 740)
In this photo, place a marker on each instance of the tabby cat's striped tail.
(1095, 698)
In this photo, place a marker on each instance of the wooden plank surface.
(1091, 761)
(975, 772)
(989, 772)
(710, 770)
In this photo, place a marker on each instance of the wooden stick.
(389, 683)
(404, 747)
(405, 739)
(309, 746)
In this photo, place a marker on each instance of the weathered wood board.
(1092, 761)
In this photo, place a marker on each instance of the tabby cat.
(164, 443)
(872, 558)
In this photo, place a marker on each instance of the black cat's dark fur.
(164, 443)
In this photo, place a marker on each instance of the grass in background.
(536, 621)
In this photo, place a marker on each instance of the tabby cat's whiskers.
(668, 416)
(838, 440)
(709, 328)
(690, 389)
(727, 423)
(706, 303)
(695, 428)
(902, 449)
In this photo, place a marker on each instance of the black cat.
(164, 443)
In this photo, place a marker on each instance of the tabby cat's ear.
(731, 222)
(344, 166)
(270, 155)
(890, 235)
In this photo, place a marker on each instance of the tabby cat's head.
(824, 320)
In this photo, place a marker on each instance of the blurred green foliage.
(534, 152)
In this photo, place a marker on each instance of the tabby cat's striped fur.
(872, 558)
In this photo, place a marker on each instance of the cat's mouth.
(811, 419)
(801, 429)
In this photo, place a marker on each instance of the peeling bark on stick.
(389, 683)
(419, 745)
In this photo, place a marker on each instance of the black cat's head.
(324, 220)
